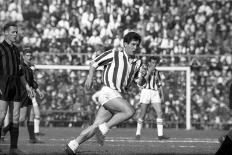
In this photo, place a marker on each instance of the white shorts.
(34, 102)
(107, 94)
(150, 96)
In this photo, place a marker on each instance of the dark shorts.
(25, 99)
(10, 88)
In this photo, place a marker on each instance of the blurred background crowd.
(182, 32)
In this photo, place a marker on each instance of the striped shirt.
(119, 69)
(154, 81)
(9, 60)
(28, 73)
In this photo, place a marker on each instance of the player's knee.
(16, 117)
(37, 113)
(159, 114)
(130, 112)
(2, 116)
(22, 118)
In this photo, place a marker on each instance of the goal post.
(187, 71)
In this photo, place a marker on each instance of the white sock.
(73, 145)
(139, 126)
(36, 125)
(103, 128)
(159, 122)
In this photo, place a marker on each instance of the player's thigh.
(143, 110)
(3, 109)
(157, 107)
(30, 113)
(23, 113)
(14, 108)
(102, 116)
(118, 104)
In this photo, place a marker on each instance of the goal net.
(64, 87)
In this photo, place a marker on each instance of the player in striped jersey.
(121, 68)
(27, 111)
(152, 93)
(11, 79)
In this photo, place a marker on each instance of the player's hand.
(41, 94)
(142, 71)
(88, 82)
(30, 92)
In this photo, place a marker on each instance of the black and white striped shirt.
(154, 81)
(9, 60)
(119, 70)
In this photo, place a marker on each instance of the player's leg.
(103, 115)
(30, 125)
(145, 99)
(14, 113)
(122, 111)
(6, 127)
(159, 120)
(3, 112)
(140, 120)
(36, 118)
(23, 114)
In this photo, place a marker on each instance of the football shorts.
(148, 96)
(107, 94)
(10, 88)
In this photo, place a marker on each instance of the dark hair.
(8, 25)
(131, 36)
(27, 50)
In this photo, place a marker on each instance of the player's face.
(28, 57)
(132, 47)
(11, 34)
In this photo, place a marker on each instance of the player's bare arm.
(141, 76)
(41, 94)
(89, 80)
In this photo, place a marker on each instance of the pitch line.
(131, 140)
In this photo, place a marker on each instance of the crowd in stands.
(182, 32)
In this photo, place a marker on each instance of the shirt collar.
(6, 43)
(131, 57)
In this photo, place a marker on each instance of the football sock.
(30, 128)
(36, 125)
(14, 134)
(139, 126)
(73, 144)
(103, 128)
(159, 122)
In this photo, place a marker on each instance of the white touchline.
(212, 141)
(188, 146)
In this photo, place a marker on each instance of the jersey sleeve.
(103, 59)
